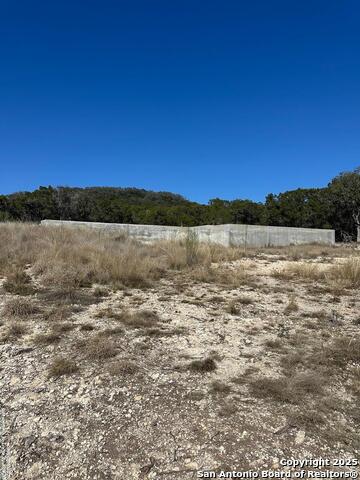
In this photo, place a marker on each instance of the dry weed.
(123, 367)
(20, 308)
(99, 347)
(288, 389)
(203, 366)
(303, 271)
(347, 273)
(62, 366)
(18, 282)
(141, 319)
(292, 306)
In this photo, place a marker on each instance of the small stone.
(300, 437)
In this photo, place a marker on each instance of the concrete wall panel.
(227, 235)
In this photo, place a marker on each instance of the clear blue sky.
(230, 99)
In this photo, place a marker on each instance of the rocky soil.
(182, 385)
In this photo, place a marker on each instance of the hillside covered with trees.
(335, 206)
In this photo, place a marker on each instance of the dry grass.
(232, 308)
(106, 313)
(203, 366)
(227, 410)
(14, 331)
(244, 300)
(288, 389)
(17, 329)
(62, 366)
(66, 259)
(46, 338)
(347, 272)
(305, 252)
(18, 282)
(219, 387)
(141, 319)
(188, 253)
(87, 327)
(62, 327)
(226, 277)
(19, 307)
(319, 314)
(303, 271)
(99, 347)
(274, 344)
(292, 306)
(112, 331)
(123, 367)
(100, 292)
(58, 314)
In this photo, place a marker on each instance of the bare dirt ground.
(192, 373)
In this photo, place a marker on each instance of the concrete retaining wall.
(227, 235)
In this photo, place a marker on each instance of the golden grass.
(303, 271)
(305, 252)
(347, 272)
(68, 259)
(218, 275)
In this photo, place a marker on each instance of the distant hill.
(335, 206)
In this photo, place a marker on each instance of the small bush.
(19, 307)
(288, 389)
(17, 329)
(141, 319)
(203, 366)
(19, 283)
(123, 367)
(62, 366)
(219, 387)
(58, 314)
(191, 248)
(220, 276)
(87, 327)
(274, 344)
(14, 331)
(347, 272)
(62, 327)
(303, 271)
(99, 348)
(245, 300)
(232, 308)
(292, 306)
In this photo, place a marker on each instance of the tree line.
(336, 206)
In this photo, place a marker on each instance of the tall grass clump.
(191, 248)
(67, 259)
(347, 272)
(303, 271)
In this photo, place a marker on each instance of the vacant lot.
(129, 361)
